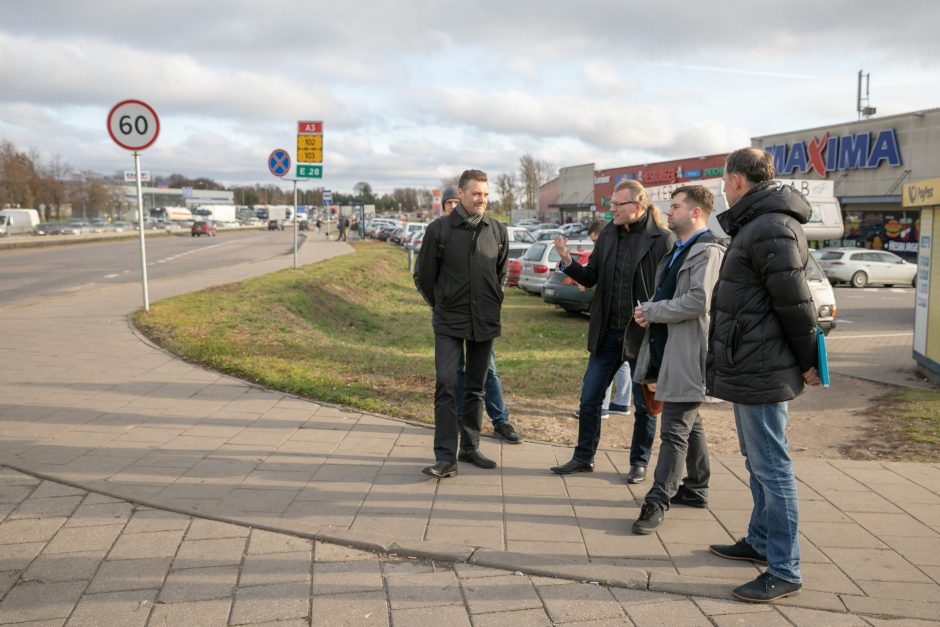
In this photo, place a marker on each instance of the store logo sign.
(825, 154)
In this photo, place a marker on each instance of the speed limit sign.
(133, 124)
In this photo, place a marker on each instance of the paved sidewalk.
(69, 556)
(101, 408)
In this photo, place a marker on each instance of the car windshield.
(813, 271)
(573, 247)
(535, 252)
(521, 236)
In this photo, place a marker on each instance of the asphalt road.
(42, 272)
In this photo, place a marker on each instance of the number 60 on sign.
(133, 124)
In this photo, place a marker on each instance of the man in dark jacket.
(762, 350)
(462, 282)
(622, 269)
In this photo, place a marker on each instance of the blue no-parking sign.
(279, 162)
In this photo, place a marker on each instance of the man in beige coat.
(673, 354)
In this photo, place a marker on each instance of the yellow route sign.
(309, 142)
(310, 156)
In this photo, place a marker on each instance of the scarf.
(472, 220)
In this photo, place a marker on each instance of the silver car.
(541, 260)
(862, 267)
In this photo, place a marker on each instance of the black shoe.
(651, 515)
(636, 474)
(441, 470)
(766, 588)
(573, 466)
(740, 550)
(684, 497)
(506, 432)
(475, 457)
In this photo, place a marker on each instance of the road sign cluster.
(310, 149)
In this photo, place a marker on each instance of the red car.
(201, 227)
(513, 272)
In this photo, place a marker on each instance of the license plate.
(549, 291)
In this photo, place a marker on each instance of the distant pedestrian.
(673, 355)
(462, 282)
(341, 228)
(319, 224)
(762, 351)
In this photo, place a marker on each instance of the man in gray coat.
(673, 354)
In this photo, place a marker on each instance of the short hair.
(595, 227)
(468, 175)
(699, 196)
(640, 195)
(756, 165)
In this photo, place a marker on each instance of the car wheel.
(192, 235)
(889, 284)
(914, 281)
(859, 279)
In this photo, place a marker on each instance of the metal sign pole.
(295, 224)
(140, 228)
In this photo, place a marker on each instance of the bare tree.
(55, 175)
(534, 173)
(507, 187)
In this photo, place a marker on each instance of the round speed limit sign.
(133, 124)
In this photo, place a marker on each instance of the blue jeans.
(601, 368)
(492, 394)
(772, 530)
(622, 383)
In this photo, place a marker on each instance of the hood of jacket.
(769, 197)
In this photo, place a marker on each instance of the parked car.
(862, 267)
(72, 228)
(303, 225)
(543, 235)
(565, 292)
(119, 226)
(513, 270)
(519, 235)
(541, 259)
(274, 225)
(202, 227)
(824, 297)
(48, 228)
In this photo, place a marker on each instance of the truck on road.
(18, 221)
(217, 213)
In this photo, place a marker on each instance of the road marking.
(859, 337)
(111, 276)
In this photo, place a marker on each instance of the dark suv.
(202, 227)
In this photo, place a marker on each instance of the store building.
(575, 193)
(662, 173)
(172, 197)
(924, 196)
(868, 161)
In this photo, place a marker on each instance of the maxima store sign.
(825, 154)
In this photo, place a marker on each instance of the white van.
(18, 221)
(824, 224)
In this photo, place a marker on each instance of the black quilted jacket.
(762, 335)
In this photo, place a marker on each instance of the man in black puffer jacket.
(762, 350)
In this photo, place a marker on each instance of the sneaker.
(577, 415)
(651, 515)
(766, 588)
(619, 410)
(684, 497)
(506, 432)
(740, 550)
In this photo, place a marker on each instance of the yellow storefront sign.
(924, 193)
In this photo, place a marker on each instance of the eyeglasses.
(625, 203)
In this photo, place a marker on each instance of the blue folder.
(822, 367)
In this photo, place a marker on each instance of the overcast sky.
(411, 91)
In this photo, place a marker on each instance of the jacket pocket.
(732, 340)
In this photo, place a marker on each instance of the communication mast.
(862, 102)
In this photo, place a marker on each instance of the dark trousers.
(602, 366)
(447, 353)
(682, 448)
